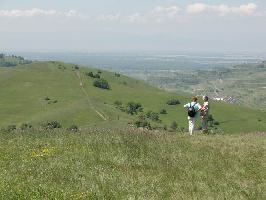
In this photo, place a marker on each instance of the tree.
(101, 83)
(133, 108)
(2, 55)
(153, 116)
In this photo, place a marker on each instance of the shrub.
(25, 126)
(11, 128)
(153, 116)
(52, 125)
(46, 98)
(101, 83)
(173, 101)
(117, 75)
(133, 108)
(173, 125)
(55, 101)
(97, 76)
(90, 74)
(118, 103)
(73, 128)
(76, 67)
(216, 123)
(99, 71)
(163, 111)
(142, 122)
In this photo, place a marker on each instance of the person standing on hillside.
(204, 112)
(193, 109)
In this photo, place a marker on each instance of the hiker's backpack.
(191, 110)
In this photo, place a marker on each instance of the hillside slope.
(45, 91)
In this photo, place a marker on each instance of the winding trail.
(88, 97)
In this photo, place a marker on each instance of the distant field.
(25, 89)
(127, 164)
(245, 83)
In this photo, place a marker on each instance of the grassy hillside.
(105, 164)
(45, 91)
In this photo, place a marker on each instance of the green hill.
(46, 91)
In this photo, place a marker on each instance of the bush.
(216, 123)
(52, 125)
(117, 75)
(11, 128)
(25, 126)
(99, 71)
(101, 83)
(133, 108)
(46, 98)
(153, 116)
(118, 103)
(163, 111)
(142, 122)
(173, 102)
(76, 67)
(97, 76)
(173, 126)
(90, 74)
(73, 128)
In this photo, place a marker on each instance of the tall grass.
(130, 164)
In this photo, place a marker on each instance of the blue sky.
(123, 25)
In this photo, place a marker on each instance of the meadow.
(131, 164)
(107, 157)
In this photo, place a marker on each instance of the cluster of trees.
(131, 108)
(92, 75)
(12, 61)
(98, 82)
(101, 83)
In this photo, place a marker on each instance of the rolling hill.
(46, 91)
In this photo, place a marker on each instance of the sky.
(139, 25)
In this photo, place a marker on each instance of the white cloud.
(170, 11)
(35, 12)
(156, 15)
(222, 9)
